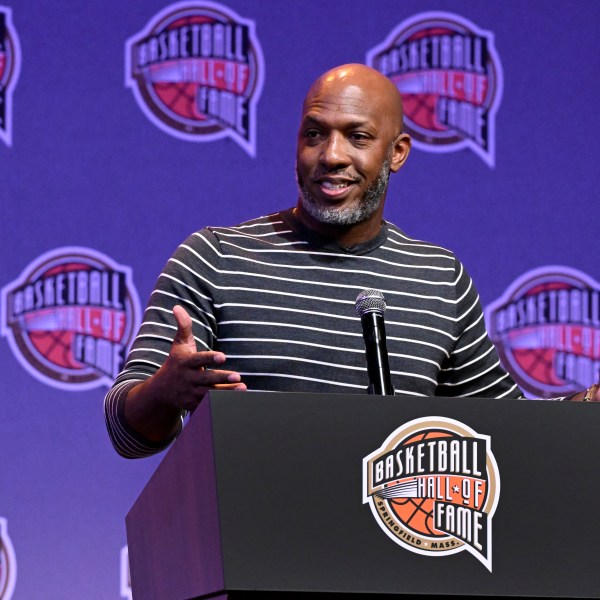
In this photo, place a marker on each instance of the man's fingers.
(184, 333)
(212, 378)
(202, 381)
(199, 360)
(237, 387)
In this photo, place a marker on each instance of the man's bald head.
(358, 80)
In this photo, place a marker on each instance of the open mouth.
(337, 190)
(331, 185)
(335, 187)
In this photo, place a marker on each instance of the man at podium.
(268, 305)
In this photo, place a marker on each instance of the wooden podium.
(261, 497)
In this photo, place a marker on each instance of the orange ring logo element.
(433, 487)
(546, 327)
(450, 78)
(196, 71)
(70, 317)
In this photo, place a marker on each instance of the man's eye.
(360, 137)
(312, 133)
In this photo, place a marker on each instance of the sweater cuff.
(128, 442)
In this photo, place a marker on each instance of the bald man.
(274, 298)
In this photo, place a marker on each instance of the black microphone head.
(370, 301)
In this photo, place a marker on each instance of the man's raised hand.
(153, 408)
(186, 375)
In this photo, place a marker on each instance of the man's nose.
(333, 151)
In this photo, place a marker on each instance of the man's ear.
(400, 150)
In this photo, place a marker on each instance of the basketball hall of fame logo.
(546, 327)
(10, 66)
(70, 317)
(450, 78)
(197, 72)
(8, 563)
(433, 487)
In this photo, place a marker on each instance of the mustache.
(337, 172)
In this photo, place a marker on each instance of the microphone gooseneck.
(370, 306)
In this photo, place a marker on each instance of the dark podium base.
(261, 496)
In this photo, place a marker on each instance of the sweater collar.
(329, 244)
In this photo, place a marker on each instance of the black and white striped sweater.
(279, 301)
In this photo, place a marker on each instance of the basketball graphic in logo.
(70, 317)
(197, 72)
(450, 78)
(433, 487)
(417, 513)
(546, 327)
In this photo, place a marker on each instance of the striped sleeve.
(177, 284)
(473, 368)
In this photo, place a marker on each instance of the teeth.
(334, 186)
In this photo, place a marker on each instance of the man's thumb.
(184, 333)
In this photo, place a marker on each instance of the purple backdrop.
(88, 169)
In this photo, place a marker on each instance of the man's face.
(343, 156)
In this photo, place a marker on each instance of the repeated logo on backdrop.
(8, 563)
(546, 327)
(70, 317)
(433, 487)
(197, 72)
(450, 77)
(10, 66)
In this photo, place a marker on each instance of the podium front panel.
(289, 482)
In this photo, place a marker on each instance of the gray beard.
(350, 215)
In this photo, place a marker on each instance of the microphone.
(370, 306)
